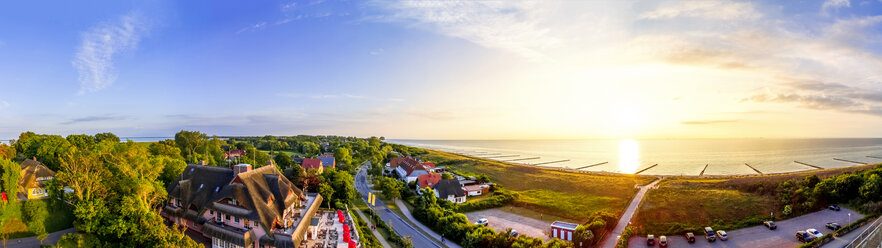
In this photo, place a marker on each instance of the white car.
(814, 232)
(482, 221)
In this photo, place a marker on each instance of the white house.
(451, 190)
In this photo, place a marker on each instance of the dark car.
(804, 237)
(662, 241)
(690, 237)
(709, 234)
(833, 226)
(770, 224)
(834, 207)
(650, 240)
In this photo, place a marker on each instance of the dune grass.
(570, 195)
(683, 204)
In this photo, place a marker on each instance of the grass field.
(683, 204)
(569, 195)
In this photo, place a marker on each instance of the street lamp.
(619, 238)
(849, 218)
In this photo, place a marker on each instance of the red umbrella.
(352, 244)
(345, 228)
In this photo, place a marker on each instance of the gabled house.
(409, 169)
(240, 206)
(427, 181)
(328, 160)
(33, 176)
(451, 190)
(312, 163)
(476, 189)
(234, 154)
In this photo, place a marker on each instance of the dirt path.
(612, 237)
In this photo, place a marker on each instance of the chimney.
(239, 168)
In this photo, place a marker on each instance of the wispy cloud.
(289, 6)
(3, 104)
(376, 52)
(508, 25)
(822, 96)
(252, 28)
(834, 4)
(707, 122)
(94, 119)
(723, 10)
(100, 45)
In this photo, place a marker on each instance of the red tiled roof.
(394, 162)
(428, 165)
(311, 163)
(409, 165)
(428, 180)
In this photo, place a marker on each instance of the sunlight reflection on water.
(629, 156)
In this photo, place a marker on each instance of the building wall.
(35, 193)
(563, 234)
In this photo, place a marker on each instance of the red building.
(563, 230)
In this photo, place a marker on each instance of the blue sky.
(443, 69)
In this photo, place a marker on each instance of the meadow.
(687, 204)
(565, 194)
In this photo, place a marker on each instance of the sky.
(444, 69)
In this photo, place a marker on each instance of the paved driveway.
(760, 236)
(501, 220)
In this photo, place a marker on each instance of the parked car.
(804, 237)
(722, 235)
(513, 233)
(770, 224)
(834, 207)
(814, 232)
(833, 226)
(663, 241)
(483, 222)
(709, 234)
(650, 240)
(690, 237)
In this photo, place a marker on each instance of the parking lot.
(501, 220)
(760, 236)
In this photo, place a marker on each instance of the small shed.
(563, 230)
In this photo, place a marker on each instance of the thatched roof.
(31, 170)
(254, 193)
(197, 185)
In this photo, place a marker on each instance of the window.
(246, 222)
(228, 217)
(211, 212)
(237, 219)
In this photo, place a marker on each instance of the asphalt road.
(501, 221)
(760, 236)
(399, 225)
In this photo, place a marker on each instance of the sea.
(692, 157)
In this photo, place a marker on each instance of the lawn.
(58, 218)
(570, 195)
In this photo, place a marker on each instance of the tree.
(6, 151)
(100, 137)
(326, 191)
(342, 155)
(446, 176)
(166, 148)
(296, 175)
(11, 175)
(35, 214)
(83, 141)
(283, 160)
(583, 237)
(391, 188)
(188, 141)
(872, 188)
(787, 210)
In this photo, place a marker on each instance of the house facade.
(313, 163)
(241, 206)
(33, 176)
(563, 230)
(476, 189)
(408, 169)
(450, 190)
(328, 160)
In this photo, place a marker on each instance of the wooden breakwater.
(589, 166)
(809, 165)
(644, 169)
(850, 161)
(754, 169)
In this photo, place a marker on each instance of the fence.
(869, 236)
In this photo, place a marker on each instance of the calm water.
(674, 157)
